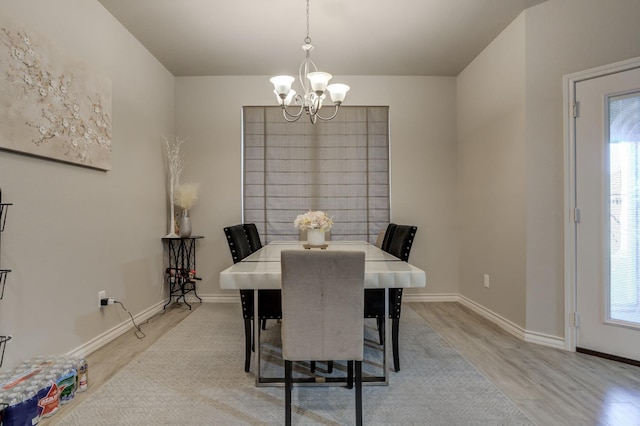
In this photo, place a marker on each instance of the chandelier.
(314, 83)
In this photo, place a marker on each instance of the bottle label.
(67, 386)
(49, 403)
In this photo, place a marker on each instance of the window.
(339, 166)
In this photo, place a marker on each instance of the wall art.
(51, 105)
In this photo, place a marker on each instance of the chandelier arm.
(291, 117)
(335, 112)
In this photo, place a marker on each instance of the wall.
(74, 231)
(491, 175)
(510, 122)
(423, 163)
(562, 37)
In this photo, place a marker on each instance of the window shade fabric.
(340, 167)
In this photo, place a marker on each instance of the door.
(607, 152)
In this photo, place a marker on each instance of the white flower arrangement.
(186, 195)
(313, 220)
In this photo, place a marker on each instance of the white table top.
(261, 270)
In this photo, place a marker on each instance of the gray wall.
(73, 231)
(511, 178)
(491, 175)
(423, 163)
(562, 37)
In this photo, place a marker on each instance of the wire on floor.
(138, 332)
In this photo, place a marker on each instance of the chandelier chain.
(307, 39)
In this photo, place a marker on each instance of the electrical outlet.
(101, 295)
(486, 280)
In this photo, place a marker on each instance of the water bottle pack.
(36, 388)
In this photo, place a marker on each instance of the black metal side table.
(180, 274)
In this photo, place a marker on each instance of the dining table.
(262, 271)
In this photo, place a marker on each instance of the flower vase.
(185, 224)
(315, 237)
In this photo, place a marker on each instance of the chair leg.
(247, 344)
(349, 374)
(396, 349)
(329, 367)
(288, 367)
(359, 393)
(381, 329)
(264, 323)
(312, 366)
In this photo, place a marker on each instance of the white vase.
(315, 237)
(185, 224)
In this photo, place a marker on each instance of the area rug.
(194, 375)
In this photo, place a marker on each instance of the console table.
(180, 273)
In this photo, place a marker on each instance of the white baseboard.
(444, 297)
(545, 340)
(118, 330)
(505, 324)
(499, 320)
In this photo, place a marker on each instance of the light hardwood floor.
(553, 387)
(108, 360)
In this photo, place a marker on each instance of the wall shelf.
(4, 208)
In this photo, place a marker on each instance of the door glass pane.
(624, 193)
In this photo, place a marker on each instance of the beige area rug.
(194, 375)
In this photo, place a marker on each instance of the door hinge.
(575, 109)
(575, 319)
(576, 215)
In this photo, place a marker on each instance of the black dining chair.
(398, 241)
(270, 305)
(253, 236)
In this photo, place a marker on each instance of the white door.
(607, 133)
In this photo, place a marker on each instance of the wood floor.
(553, 387)
(108, 360)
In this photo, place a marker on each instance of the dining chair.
(253, 236)
(322, 314)
(270, 305)
(398, 244)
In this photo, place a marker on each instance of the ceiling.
(351, 37)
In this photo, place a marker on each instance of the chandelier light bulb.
(282, 85)
(287, 100)
(338, 92)
(319, 81)
(314, 85)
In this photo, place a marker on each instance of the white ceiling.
(351, 37)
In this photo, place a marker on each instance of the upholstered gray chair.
(323, 313)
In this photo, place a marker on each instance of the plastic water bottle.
(16, 413)
(67, 383)
(83, 375)
(50, 402)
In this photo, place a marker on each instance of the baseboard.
(545, 340)
(505, 324)
(444, 297)
(499, 320)
(117, 331)
(218, 298)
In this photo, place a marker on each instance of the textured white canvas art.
(51, 105)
